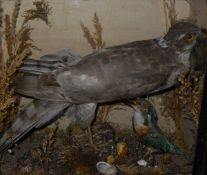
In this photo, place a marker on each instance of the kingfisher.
(145, 125)
(58, 82)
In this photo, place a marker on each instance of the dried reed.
(94, 38)
(19, 45)
(98, 32)
(190, 94)
(88, 36)
(41, 11)
(170, 12)
(184, 99)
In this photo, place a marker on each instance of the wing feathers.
(36, 114)
(49, 62)
(42, 87)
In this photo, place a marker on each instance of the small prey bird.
(60, 81)
(145, 125)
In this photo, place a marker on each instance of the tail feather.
(43, 63)
(39, 66)
(36, 114)
(31, 61)
(49, 62)
(39, 80)
(34, 69)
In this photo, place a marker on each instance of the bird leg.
(90, 136)
(150, 152)
(90, 139)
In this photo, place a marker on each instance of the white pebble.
(9, 151)
(142, 163)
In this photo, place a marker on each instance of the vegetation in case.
(19, 45)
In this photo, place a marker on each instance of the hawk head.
(187, 38)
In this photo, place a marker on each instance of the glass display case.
(103, 87)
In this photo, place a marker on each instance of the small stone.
(9, 151)
(142, 163)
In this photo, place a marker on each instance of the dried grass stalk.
(8, 36)
(15, 15)
(41, 11)
(19, 45)
(98, 32)
(88, 36)
(103, 112)
(185, 99)
(190, 94)
(170, 12)
(94, 38)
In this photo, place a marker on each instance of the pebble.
(142, 163)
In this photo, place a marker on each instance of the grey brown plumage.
(125, 71)
(82, 114)
(35, 115)
(119, 71)
(114, 73)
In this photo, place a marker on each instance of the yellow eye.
(190, 37)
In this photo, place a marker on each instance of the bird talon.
(90, 140)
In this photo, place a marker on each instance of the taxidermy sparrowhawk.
(64, 81)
